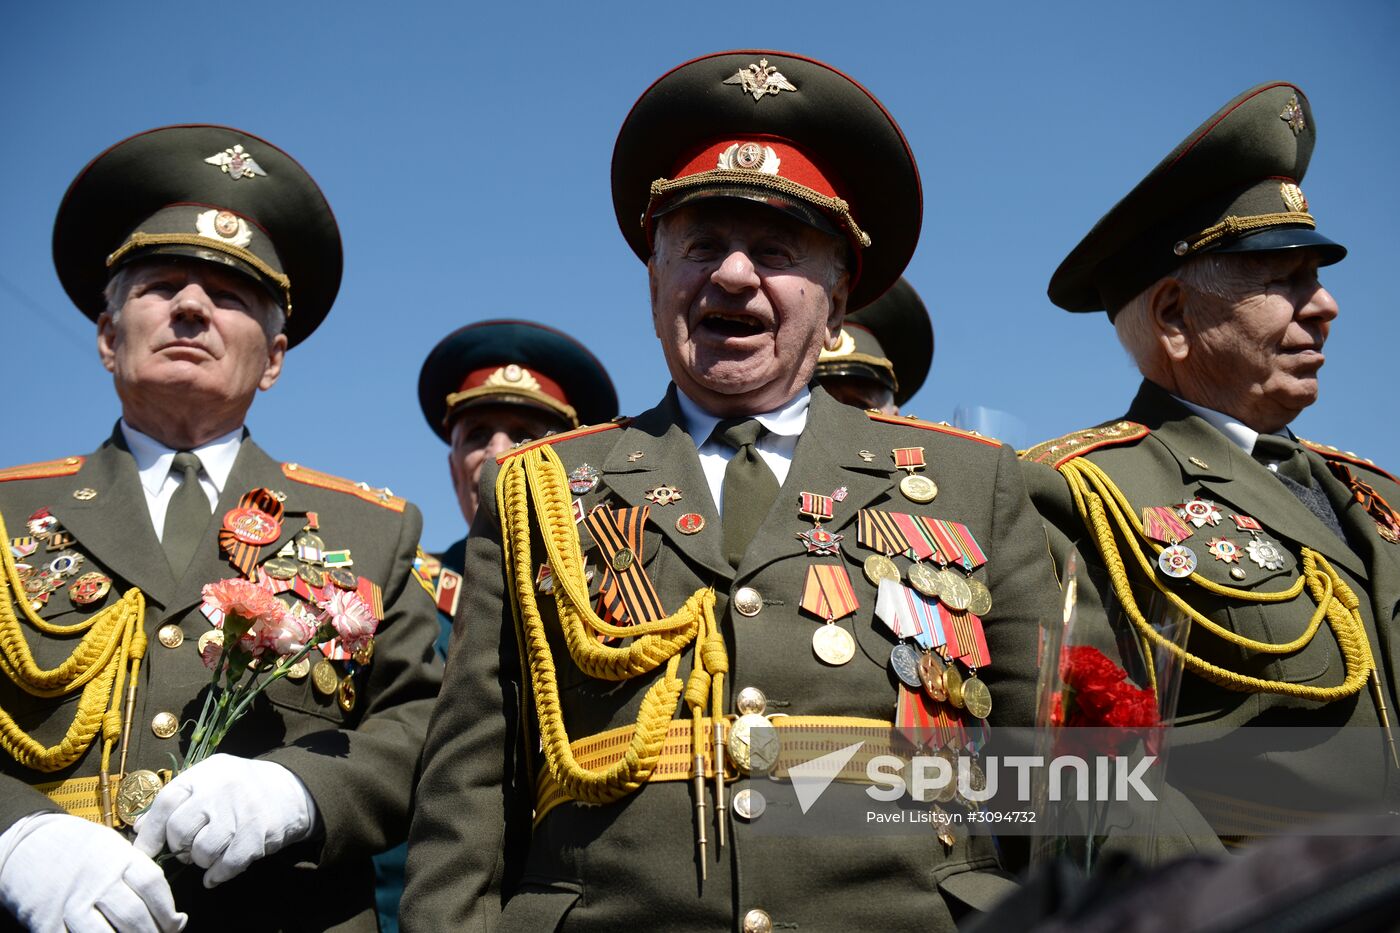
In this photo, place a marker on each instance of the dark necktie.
(186, 516)
(1295, 474)
(749, 486)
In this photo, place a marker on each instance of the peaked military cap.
(890, 341)
(514, 363)
(782, 130)
(204, 192)
(1232, 185)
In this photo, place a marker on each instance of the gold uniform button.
(164, 725)
(171, 636)
(748, 601)
(758, 921)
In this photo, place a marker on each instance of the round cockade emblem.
(252, 526)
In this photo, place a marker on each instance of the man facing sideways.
(203, 253)
(883, 353)
(651, 606)
(1284, 554)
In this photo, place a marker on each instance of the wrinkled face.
(1257, 352)
(189, 333)
(743, 298)
(487, 431)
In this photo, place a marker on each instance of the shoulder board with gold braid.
(565, 436)
(65, 466)
(942, 427)
(1061, 450)
(380, 497)
(1332, 453)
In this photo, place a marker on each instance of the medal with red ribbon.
(249, 527)
(626, 595)
(925, 723)
(955, 543)
(819, 508)
(1162, 524)
(827, 593)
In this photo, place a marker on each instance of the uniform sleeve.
(1025, 594)
(362, 778)
(18, 800)
(471, 823)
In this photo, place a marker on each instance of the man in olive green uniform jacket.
(227, 235)
(1282, 552)
(751, 270)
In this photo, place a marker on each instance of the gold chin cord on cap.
(835, 206)
(1235, 226)
(142, 240)
(1109, 518)
(105, 661)
(534, 481)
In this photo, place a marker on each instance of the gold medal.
(753, 744)
(981, 602)
(345, 693)
(879, 567)
(89, 588)
(953, 683)
(914, 487)
(343, 578)
(924, 578)
(365, 653)
(954, 591)
(918, 488)
(136, 793)
(313, 575)
(281, 568)
(300, 669)
(833, 644)
(976, 697)
(931, 675)
(324, 677)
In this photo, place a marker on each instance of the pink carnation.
(351, 618)
(243, 598)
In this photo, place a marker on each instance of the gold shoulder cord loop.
(537, 477)
(1102, 506)
(113, 641)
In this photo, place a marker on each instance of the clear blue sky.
(465, 150)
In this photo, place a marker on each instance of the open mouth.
(727, 324)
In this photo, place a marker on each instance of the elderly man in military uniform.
(491, 385)
(484, 388)
(883, 353)
(1284, 554)
(203, 253)
(650, 605)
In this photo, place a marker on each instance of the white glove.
(226, 813)
(62, 872)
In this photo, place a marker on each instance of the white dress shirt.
(784, 426)
(153, 460)
(1242, 435)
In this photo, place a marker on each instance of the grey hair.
(1222, 277)
(273, 318)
